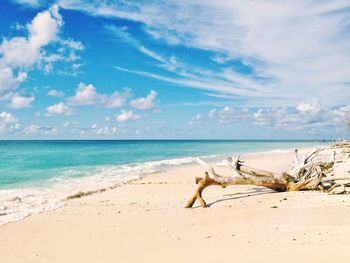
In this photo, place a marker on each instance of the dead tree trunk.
(305, 175)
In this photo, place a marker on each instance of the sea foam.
(19, 203)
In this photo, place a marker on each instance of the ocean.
(36, 176)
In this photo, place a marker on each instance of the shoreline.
(56, 196)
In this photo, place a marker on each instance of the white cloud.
(342, 113)
(8, 118)
(201, 79)
(86, 94)
(59, 109)
(71, 124)
(40, 129)
(30, 3)
(24, 52)
(121, 33)
(10, 80)
(39, 48)
(270, 116)
(306, 116)
(19, 102)
(55, 93)
(312, 107)
(96, 130)
(211, 113)
(220, 59)
(196, 120)
(145, 103)
(233, 115)
(126, 116)
(67, 55)
(153, 55)
(116, 100)
(8, 123)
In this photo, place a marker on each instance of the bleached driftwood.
(305, 175)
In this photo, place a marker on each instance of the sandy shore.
(144, 221)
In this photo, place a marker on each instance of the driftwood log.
(305, 174)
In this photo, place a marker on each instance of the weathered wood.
(256, 172)
(305, 175)
(226, 181)
(198, 194)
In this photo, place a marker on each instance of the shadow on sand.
(239, 195)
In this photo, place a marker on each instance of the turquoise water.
(28, 163)
(37, 176)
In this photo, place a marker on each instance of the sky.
(109, 69)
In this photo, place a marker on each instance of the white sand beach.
(144, 221)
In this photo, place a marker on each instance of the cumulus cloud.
(126, 116)
(10, 80)
(229, 115)
(270, 116)
(8, 123)
(86, 94)
(39, 48)
(55, 93)
(59, 109)
(19, 101)
(312, 107)
(8, 118)
(342, 114)
(116, 100)
(145, 103)
(24, 52)
(306, 115)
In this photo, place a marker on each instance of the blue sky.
(76, 69)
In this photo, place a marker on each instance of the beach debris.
(81, 193)
(307, 173)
